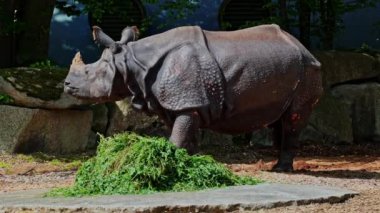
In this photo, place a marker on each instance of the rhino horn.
(77, 59)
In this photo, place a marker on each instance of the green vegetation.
(174, 10)
(40, 157)
(314, 19)
(40, 163)
(131, 164)
(75, 164)
(4, 165)
(47, 64)
(5, 99)
(365, 48)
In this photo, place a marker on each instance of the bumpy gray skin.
(229, 82)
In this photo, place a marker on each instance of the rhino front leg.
(184, 130)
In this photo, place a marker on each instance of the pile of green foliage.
(131, 164)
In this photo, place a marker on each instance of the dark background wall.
(71, 34)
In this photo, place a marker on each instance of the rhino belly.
(254, 105)
(244, 119)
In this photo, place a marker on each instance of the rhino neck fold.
(176, 70)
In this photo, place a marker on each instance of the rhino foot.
(283, 167)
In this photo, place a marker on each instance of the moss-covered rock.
(44, 84)
(37, 88)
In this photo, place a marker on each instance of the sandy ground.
(354, 168)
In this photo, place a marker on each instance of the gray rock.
(209, 138)
(339, 67)
(100, 118)
(366, 116)
(331, 121)
(347, 113)
(230, 199)
(93, 141)
(365, 99)
(51, 131)
(263, 137)
(123, 118)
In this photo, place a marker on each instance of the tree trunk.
(33, 41)
(284, 14)
(304, 22)
(7, 41)
(330, 24)
(328, 21)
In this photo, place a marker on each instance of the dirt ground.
(355, 167)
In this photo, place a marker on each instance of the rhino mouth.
(71, 90)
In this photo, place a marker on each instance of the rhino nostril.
(67, 83)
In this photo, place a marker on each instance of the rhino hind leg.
(183, 132)
(284, 142)
(288, 128)
(285, 136)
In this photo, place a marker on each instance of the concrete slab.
(267, 195)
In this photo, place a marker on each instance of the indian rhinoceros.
(229, 82)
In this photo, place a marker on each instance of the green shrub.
(5, 99)
(47, 64)
(131, 164)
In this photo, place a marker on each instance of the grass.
(132, 164)
(41, 162)
(4, 165)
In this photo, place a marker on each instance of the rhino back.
(262, 67)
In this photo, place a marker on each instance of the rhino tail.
(309, 60)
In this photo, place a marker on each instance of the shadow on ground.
(347, 174)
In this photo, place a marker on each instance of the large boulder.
(330, 122)
(345, 67)
(347, 113)
(25, 130)
(365, 106)
(37, 88)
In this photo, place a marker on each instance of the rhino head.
(105, 79)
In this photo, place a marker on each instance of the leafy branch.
(175, 10)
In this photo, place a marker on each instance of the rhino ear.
(129, 34)
(101, 38)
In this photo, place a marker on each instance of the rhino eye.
(86, 72)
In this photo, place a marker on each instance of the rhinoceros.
(229, 82)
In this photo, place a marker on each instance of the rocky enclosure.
(41, 118)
